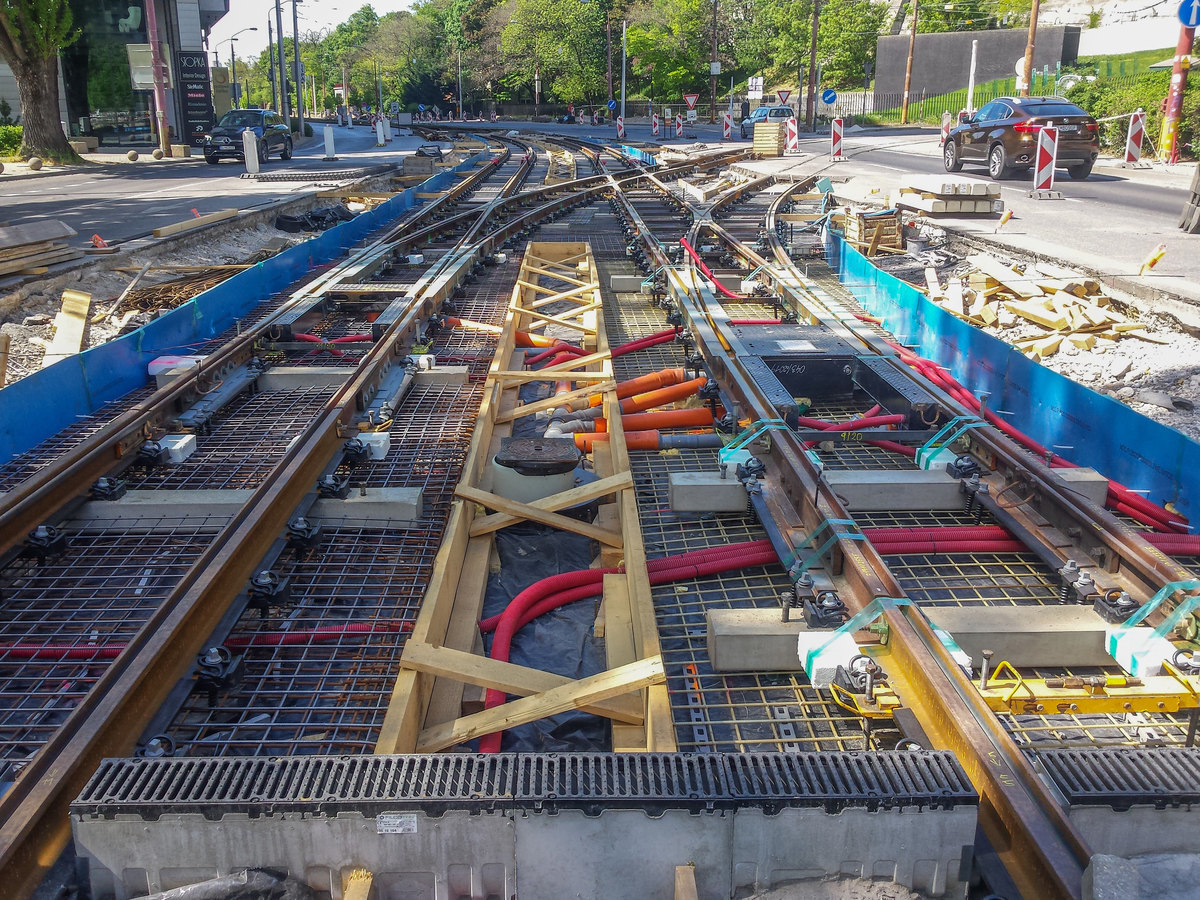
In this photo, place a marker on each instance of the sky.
(315, 15)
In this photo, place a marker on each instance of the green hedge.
(10, 139)
(1120, 97)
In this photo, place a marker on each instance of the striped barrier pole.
(726, 125)
(1047, 156)
(654, 125)
(835, 140)
(946, 118)
(620, 128)
(793, 136)
(679, 125)
(1137, 134)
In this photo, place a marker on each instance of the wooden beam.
(4, 342)
(526, 511)
(565, 295)
(555, 374)
(579, 362)
(494, 674)
(528, 409)
(576, 695)
(196, 222)
(561, 320)
(561, 276)
(68, 327)
(562, 500)
(685, 883)
(34, 233)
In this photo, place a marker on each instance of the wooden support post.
(685, 883)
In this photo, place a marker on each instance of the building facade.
(99, 88)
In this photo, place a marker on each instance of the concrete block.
(1027, 636)
(166, 376)
(1110, 878)
(706, 492)
(753, 640)
(626, 284)
(454, 376)
(93, 143)
(375, 506)
(821, 652)
(179, 446)
(180, 151)
(1088, 482)
(287, 378)
(147, 511)
(79, 146)
(883, 490)
(418, 165)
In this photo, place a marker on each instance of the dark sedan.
(1003, 136)
(225, 140)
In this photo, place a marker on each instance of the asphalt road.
(120, 201)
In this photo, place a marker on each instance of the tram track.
(209, 604)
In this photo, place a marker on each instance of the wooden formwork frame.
(440, 656)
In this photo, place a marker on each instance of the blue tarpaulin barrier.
(46, 402)
(1088, 428)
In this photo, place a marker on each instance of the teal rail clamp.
(1141, 650)
(928, 452)
(796, 567)
(760, 428)
(858, 621)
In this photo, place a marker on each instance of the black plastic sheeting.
(561, 641)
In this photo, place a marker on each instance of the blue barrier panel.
(1088, 428)
(42, 404)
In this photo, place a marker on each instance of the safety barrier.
(44, 403)
(1088, 428)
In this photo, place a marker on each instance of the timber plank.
(68, 327)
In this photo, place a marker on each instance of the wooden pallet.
(768, 139)
(871, 233)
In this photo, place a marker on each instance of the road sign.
(571, 109)
(420, 107)
(829, 96)
(395, 107)
(755, 91)
(1047, 156)
(612, 104)
(1189, 13)
(690, 100)
(783, 95)
(691, 117)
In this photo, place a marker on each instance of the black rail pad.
(592, 782)
(1122, 777)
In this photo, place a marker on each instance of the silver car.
(777, 114)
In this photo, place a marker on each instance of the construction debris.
(314, 220)
(871, 232)
(948, 195)
(1065, 309)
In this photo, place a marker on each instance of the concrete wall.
(942, 62)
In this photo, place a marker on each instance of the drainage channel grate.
(319, 174)
(589, 781)
(1122, 777)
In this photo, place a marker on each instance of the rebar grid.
(98, 593)
(310, 683)
(250, 436)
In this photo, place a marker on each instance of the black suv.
(226, 139)
(1003, 136)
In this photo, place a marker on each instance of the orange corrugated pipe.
(662, 418)
(650, 382)
(634, 440)
(662, 396)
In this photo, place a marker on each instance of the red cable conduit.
(683, 242)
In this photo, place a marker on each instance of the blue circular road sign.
(420, 107)
(829, 95)
(612, 104)
(1189, 13)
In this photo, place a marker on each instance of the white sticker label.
(396, 823)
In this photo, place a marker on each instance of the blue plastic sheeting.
(1079, 424)
(646, 159)
(42, 404)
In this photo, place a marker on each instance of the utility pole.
(1168, 143)
(608, 41)
(237, 94)
(712, 71)
(460, 111)
(299, 83)
(284, 103)
(346, 97)
(623, 49)
(912, 48)
(271, 50)
(160, 95)
(1027, 78)
(810, 110)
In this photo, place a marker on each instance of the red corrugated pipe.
(708, 272)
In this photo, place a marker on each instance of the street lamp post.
(274, 77)
(296, 55)
(237, 94)
(282, 79)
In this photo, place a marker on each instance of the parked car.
(225, 140)
(1003, 136)
(779, 114)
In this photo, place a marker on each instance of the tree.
(563, 42)
(32, 32)
(846, 39)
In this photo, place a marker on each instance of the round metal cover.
(539, 456)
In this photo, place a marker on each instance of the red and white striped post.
(946, 118)
(793, 136)
(1047, 156)
(620, 128)
(679, 125)
(581, 117)
(835, 140)
(1137, 134)
(726, 125)
(654, 124)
